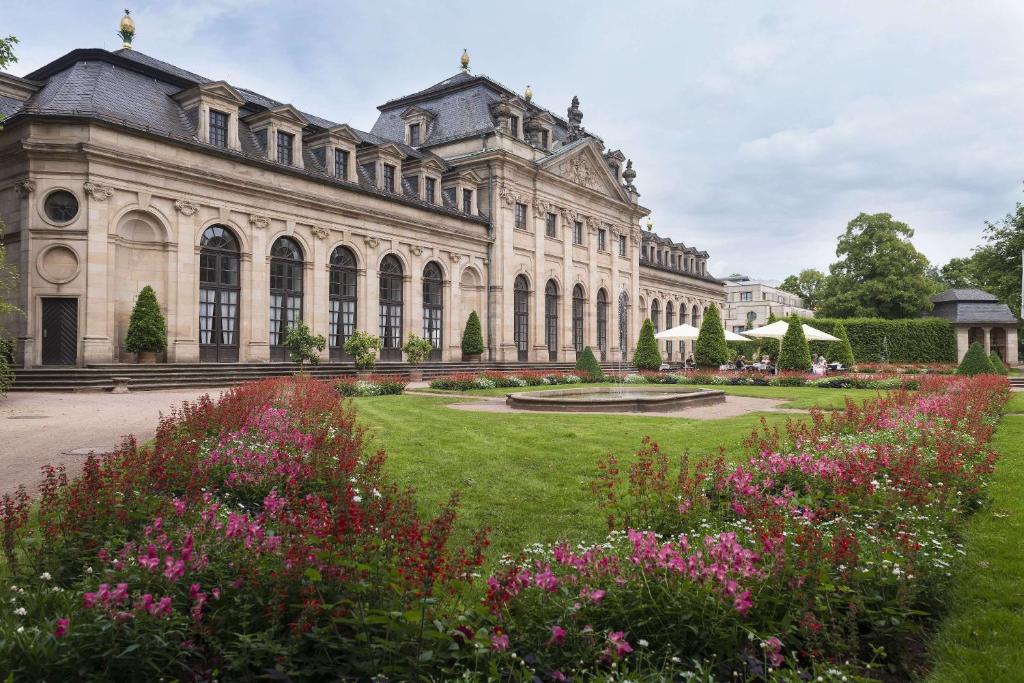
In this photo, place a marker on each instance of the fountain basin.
(658, 398)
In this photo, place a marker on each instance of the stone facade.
(524, 215)
(753, 301)
(978, 316)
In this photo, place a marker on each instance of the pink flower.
(773, 647)
(499, 642)
(557, 635)
(618, 639)
(88, 600)
(173, 569)
(743, 603)
(150, 560)
(179, 506)
(594, 595)
(559, 676)
(61, 629)
(162, 607)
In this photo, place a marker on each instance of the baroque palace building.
(247, 215)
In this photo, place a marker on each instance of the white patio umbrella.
(688, 332)
(732, 336)
(777, 330)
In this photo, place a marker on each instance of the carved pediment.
(584, 166)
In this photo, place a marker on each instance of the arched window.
(285, 293)
(656, 316)
(343, 297)
(670, 317)
(577, 318)
(219, 288)
(695, 316)
(602, 322)
(521, 331)
(624, 324)
(433, 307)
(391, 308)
(551, 319)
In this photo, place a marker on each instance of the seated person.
(689, 361)
(739, 362)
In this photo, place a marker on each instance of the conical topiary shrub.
(997, 365)
(710, 349)
(472, 337)
(647, 355)
(770, 347)
(975, 362)
(795, 354)
(147, 329)
(840, 351)
(588, 366)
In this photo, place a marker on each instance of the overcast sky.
(757, 129)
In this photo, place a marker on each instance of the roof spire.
(127, 29)
(465, 61)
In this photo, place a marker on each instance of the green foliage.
(363, 347)
(879, 272)
(417, 349)
(147, 329)
(997, 365)
(647, 356)
(840, 351)
(6, 364)
(975, 362)
(303, 345)
(7, 56)
(710, 350)
(8, 288)
(795, 354)
(807, 285)
(913, 340)
(588, 365)
(473, 336)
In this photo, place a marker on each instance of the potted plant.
(363, 347)
(147, 329)
(417, 349)
(304, 346)
(472, 340)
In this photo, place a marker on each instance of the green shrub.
(997, 365)
(710, 350)
(910, 340)
(975, 362)
(795, 354)
(6, 364)
(472, 336)
(303, 345)
(363, 347)
(417, 349)
(147, 329)
(587, 364)
(840, 351)
(647, 355)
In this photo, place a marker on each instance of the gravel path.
(733, 407)
(38, 428)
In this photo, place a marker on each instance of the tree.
(997, 264)
(879, 272)
(795, 353)
(588, 366)
(303, 345)
(840, 350)
(807, 285)
(975, 362)
(7, 56)
(472, 336)
(997, 365)
(363, 347)
(147, 329)
(710, 349)
(647, 356)
(8, 286)
(417, 349)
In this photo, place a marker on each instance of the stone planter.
(415, 375)
(471, 357)
(146, 357)
(363, 375)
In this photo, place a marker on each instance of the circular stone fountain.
(658, 398)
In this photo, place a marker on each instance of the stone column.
(1012, 358)
(988, 340)
(98, 310)
(593, 284)
(415, 295)
(316, 294)
(254, 339)
(184, 342)
(451, 313)
(369, 317)
(538, 343)
(962, 341)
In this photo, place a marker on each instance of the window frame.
(602, 239)
(520, 216)
(387, 181)
(220, 139)
(577, 232)
(341, 157)
(551, 225)
(286, 152)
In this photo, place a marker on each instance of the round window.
(61, 206)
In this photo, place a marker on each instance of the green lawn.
(1016, 404)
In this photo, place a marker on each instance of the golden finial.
(465, 60)
(127, 29)
(650, 225)
(528, 94)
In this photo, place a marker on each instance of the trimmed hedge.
(840, 351)
(588, 365)
(710, 350)
(997, 365)
(975, 362)
(472, 336)
(647, 355)
(910, 340)
(795, 354)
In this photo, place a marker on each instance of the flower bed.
(489, 380)
(374, 385)
(832, 543)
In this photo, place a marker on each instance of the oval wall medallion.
(58, 264)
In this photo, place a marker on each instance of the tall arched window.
(602, 322)
(551, 318)
(521, 324)
(670, 318)
(433, 307)
(656, 316)
(343, 297)
(695, 316)
(219, 286)
(391, 308)
(285, 293)
(577, 318)
(623, 324)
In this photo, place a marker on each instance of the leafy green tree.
(7, 58)
(587, 365)
(417, 349)
(147, 329)
(8, 287)
(997, 263)
(807, 285)
(879, 272)
(795, 353)
(997, 365)
(975, 362)
(840, 351)
(647, 356)
(363, 347)
(304, 346)
(472, 336)
(710, 350)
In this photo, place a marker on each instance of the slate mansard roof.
(972, 306)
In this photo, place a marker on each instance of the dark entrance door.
(60, 331)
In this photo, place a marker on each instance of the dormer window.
(389, 178)
(430, 190)
(467, 201)
(341, 164)
(513, 125)
(414, 134)
(218, 128)
(285, 147)
(544, 139)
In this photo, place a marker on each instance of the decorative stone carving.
(25, 188)
(258, 222)
(542, 207)
(592, 224)
(579, 171)
(185, 207)
(319, 232)
(570, 216)
(629, 175)
(510, 196)
(575, 117)
(100, 193)
(455, 258)
(371, 242)
(416, 250)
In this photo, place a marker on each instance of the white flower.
(45, 576)
(20, 629)
(642, 643)
(88, 570)
(21, 611)
(357, 499)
